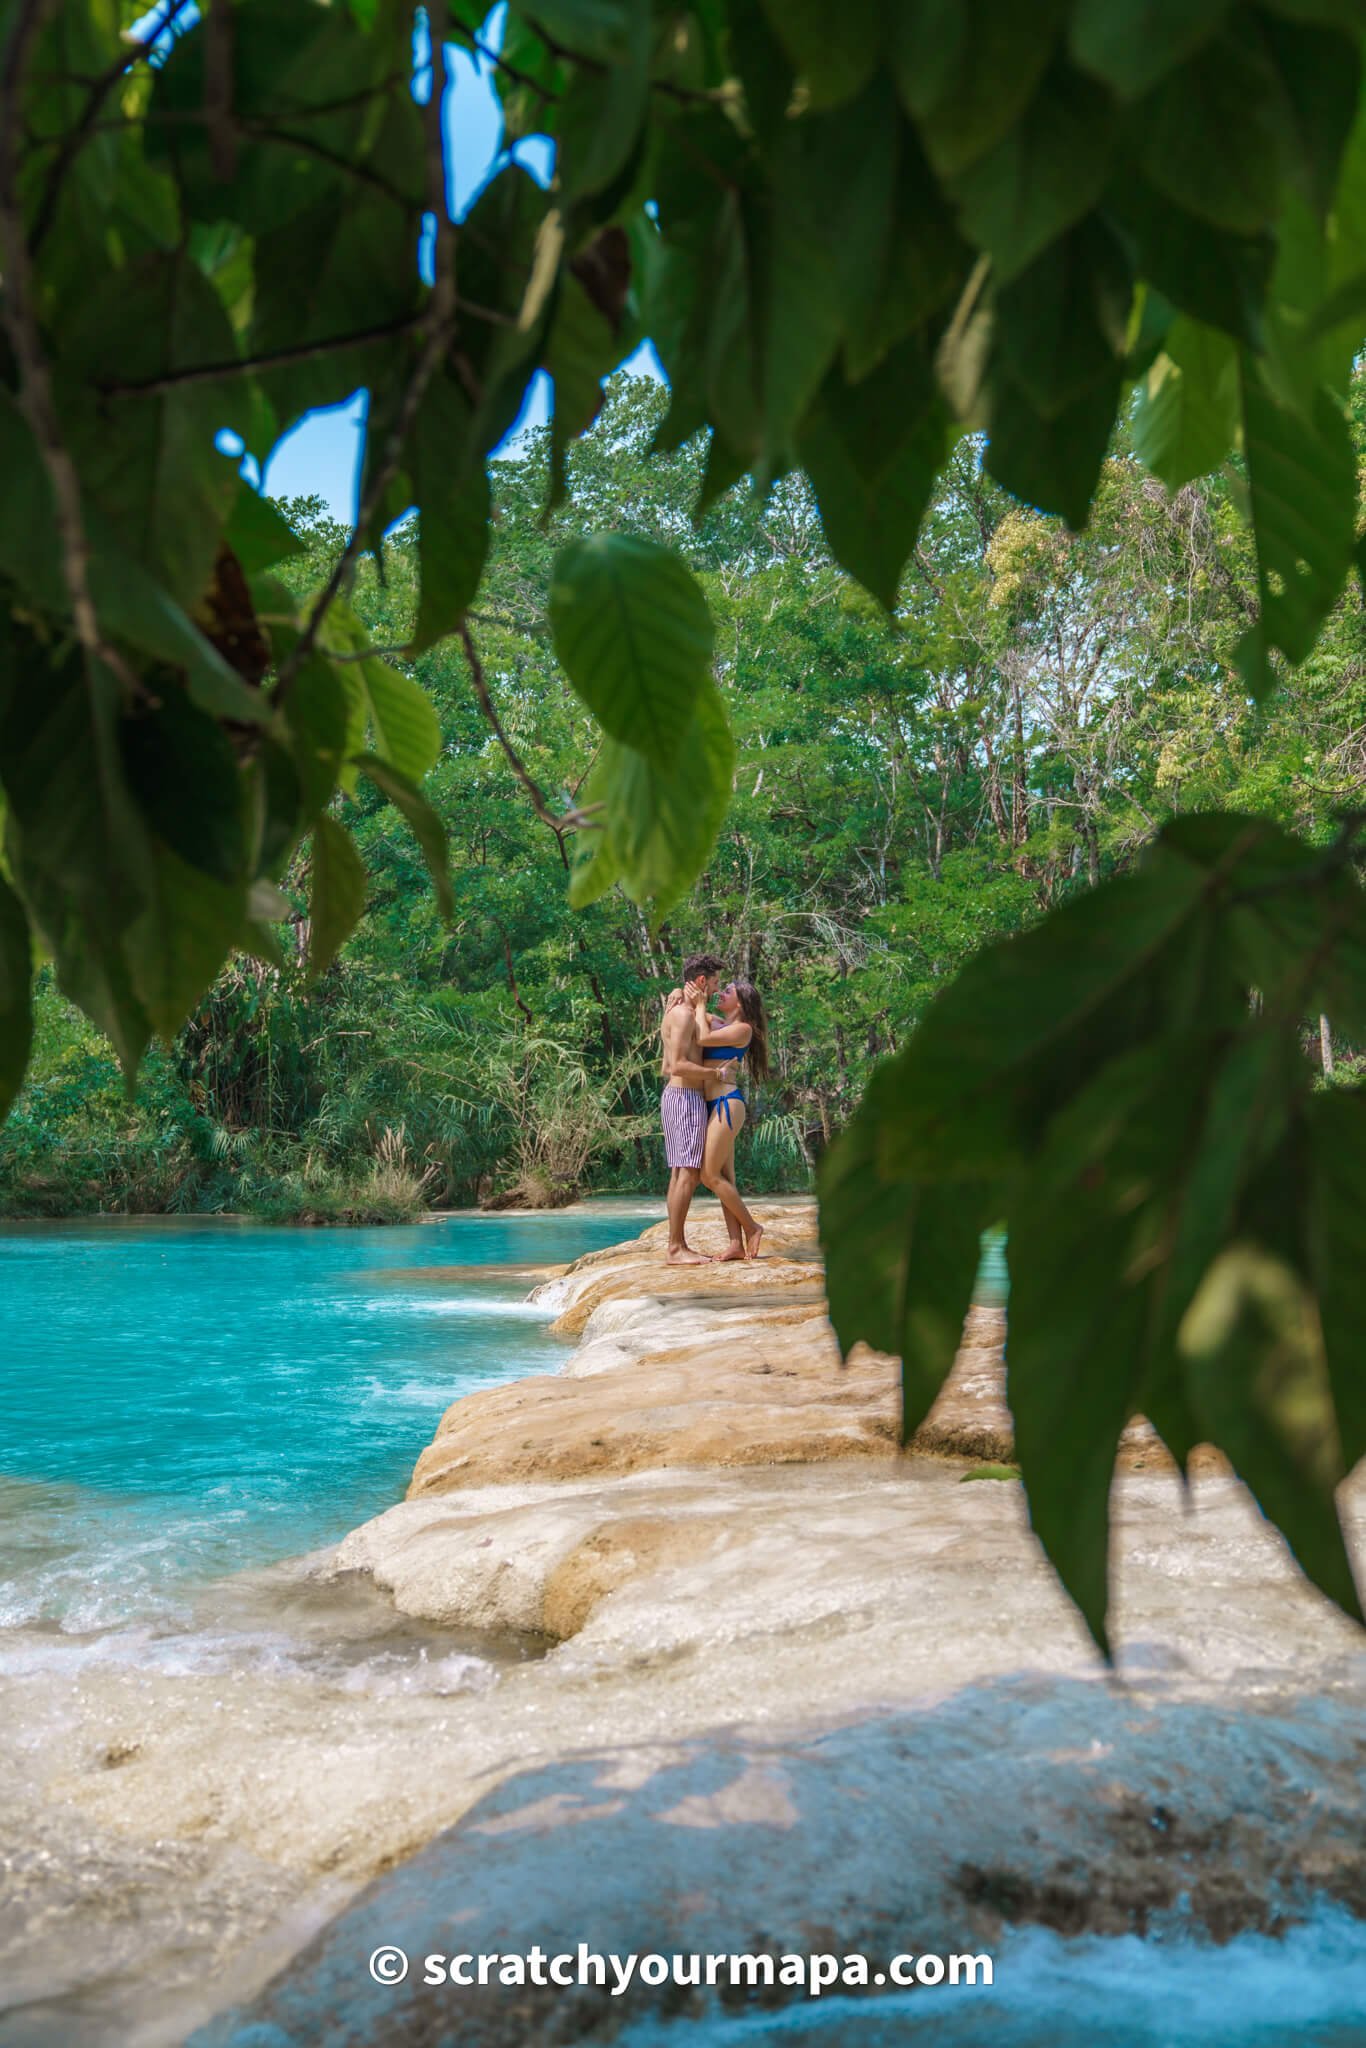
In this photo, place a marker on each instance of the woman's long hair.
(752, 1010)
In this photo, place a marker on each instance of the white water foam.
(1305, 1989)
(485, 1307)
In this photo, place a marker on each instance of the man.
(683, 1106)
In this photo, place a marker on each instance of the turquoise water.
(183, 1400)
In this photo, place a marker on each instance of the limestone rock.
(1056, 1802)
(721, 1365)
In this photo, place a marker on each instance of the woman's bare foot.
(734, 1250)
(684, 1255)
(752, 1238)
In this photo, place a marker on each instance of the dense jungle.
(904, 791)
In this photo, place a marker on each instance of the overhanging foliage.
(853, 233)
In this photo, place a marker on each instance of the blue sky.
(321, 456)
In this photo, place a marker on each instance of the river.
(180, 1400)
(188, 1413)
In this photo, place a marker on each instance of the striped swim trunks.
(684, 1114)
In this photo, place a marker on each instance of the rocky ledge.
(721, 1365)
(809, 1690)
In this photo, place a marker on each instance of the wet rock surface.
(905, 1834)
(799, 1684)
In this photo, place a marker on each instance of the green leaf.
(336, 900)
(967, 69)
(599, 120)
(16, 1002)
(1188, 409)
(1211, 134)
(1319, 72)
(1257, 1380)
(453, 538)
(183, 771)
(1051, 462)
(529, 80)
(403, 718)
(1026, 1020)
(329, 272)
(149, 462)
(131, 604)
(900, 1255)
(1043, 175)
(444, 476)
(1078, 1320)
(872, 451)
(1336, 1122)
(634, 635)
(924, 268)
(259, 942)
(662, 821)
(366, 681)
(765, 68)
(321, 100)
(593, 867)
(322, 732)
(180, 939)
(1217, 277)
(1302, 481)
(581, 351)
(1296, 918)
(75, 842)
(258, 533)
(696, 275)
(1336, 13)
(725, 467)
(1131, 44)
(276, 800)
(1062, 323)
(427, 828)
(604, 31)
(834, 181)
(834, 62)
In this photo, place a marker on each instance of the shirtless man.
(683, 1106)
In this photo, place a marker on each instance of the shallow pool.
(180, 1400)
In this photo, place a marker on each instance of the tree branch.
(571, 820)
(437, 325)
(236, 366)
(75, 139)
(514, 72)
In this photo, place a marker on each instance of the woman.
(739, 1032)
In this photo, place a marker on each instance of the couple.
(702, 1108)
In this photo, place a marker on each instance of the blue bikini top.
(724, 1052)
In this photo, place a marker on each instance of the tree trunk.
(1326, 1045)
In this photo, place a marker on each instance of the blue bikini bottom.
(723, 1102)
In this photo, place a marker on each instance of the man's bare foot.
(684, 1255)
(752, 1238)
(734, 1250)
